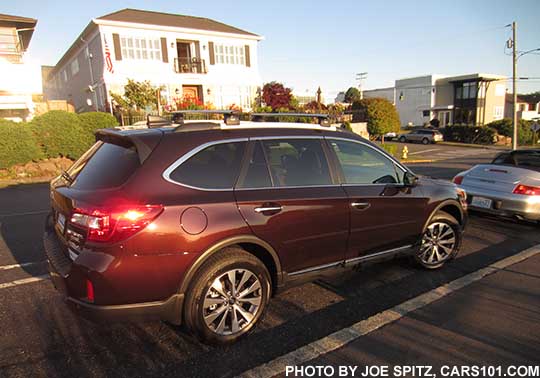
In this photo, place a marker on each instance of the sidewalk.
(492, 322)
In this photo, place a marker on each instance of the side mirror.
(410, 179)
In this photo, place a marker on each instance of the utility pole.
(360, 77)
(514, 89)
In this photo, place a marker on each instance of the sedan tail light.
(527, 190)
(458, 180)
(114, 225)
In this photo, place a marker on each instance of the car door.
(385, 213)
(415, 136)
(287, 195)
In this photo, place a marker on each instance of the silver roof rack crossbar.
(153, 121)
(321, 118)
(230, 117)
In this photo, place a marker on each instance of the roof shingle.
(173, 20)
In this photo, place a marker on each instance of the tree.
(137, 94)
(277, 96)
(381, 116)
(352, 95)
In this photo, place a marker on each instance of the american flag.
(108, 60)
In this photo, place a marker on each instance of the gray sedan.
(509, 186)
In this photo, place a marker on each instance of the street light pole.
(360, 77)
(514, 89)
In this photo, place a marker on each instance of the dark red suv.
(202, 223)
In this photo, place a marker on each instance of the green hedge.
(469, 134)
(390, 148)
(60, 133)
(17, 144)
(93, 121)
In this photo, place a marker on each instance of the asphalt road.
(40, 337)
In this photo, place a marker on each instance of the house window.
(229, 54)
(140, 48)
(74, 67)
(64, 75)
(498, 112)
(425, 113)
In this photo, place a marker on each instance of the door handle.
(361, 205)
(267, 209)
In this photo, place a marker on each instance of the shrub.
(503, 127)
(469, 134)
(60, 133)
(17, 144)
(381, 116)
(93, 121)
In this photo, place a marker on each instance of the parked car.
(509, 186)
(201, 224)
(388, 136)
(423, 136)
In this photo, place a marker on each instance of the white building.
(18, 79)
(467, 99)
(189, 56)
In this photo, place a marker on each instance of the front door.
(385, 214)
(287, 196)
(192, 92)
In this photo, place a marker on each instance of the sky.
(314, 43)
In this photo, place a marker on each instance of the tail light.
(116, 224)
(458, 180)
(527, 190)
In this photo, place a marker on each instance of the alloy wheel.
(438, 243)
(232, 301)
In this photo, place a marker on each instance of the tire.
(214, 322)
(402, 139)
(434, 251)
(425, 141)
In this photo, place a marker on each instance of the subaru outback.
(202, 223)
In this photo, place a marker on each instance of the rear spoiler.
(144, 141)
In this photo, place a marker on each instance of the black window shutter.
(248, 58)
(117, 47)
(211, 52)
(164, 51)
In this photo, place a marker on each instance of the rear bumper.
(60, 270)
(507, 205)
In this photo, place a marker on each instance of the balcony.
(189, 65)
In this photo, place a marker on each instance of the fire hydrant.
(404, 153)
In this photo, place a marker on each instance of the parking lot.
(40, 337)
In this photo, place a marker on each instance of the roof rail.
(230, 117)
(322, 118)
(153, 121)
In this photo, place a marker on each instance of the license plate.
(482, 202)
(61, 222)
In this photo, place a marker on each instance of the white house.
(189, 56)
(18, 79)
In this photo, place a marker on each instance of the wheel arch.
(451, 207)
(253, 245)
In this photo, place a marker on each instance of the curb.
(480, 146)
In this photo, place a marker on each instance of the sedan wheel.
(232, 301)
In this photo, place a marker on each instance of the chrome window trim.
(167, 173)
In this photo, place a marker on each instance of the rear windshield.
(104, 166)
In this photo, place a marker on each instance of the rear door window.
(297, 162)
(530, 160)
(104, 166)
(215, 167)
